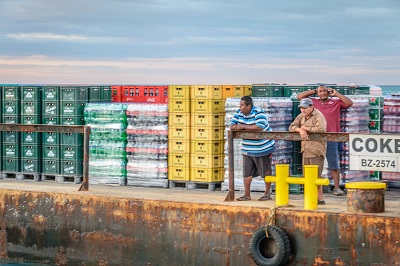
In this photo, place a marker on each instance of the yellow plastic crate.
(207, 147)
(227, 91)
(178, 146)
(207, 106)
(208, 120)
(206, 92)
(178, 173)
(238, 91)
(181, 160)
(178, 106)
(247, 90)
(178, 92)
(207, 133)
(179, 119)
(207, 161)
(182, 133)
(206, 174)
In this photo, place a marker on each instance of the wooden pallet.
(62, 178)
(22, 175)
(211, 186)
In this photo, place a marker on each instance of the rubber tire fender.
(274, 250)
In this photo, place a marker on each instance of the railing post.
(231, 191)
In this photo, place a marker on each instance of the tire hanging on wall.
(272, 250)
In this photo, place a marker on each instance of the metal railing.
(293, 136)
(59, 129)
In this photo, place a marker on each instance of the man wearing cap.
(310, 120)
(330, 102)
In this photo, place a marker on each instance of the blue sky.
(199, 41)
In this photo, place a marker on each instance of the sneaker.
(338, 192)
(321, 202)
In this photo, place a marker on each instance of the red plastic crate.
(116, 94)
(145, 94)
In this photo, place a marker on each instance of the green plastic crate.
(266, 91)
(72, 108)
(51, 138)
(51, 167)
(362, 90)
(51, 93)
(95, 93)
(31, 93)
(50, 108)
(11, 108)
(289, 90)
(11, 93)
(31, 137)
(66, 120)
(74, 93)
(50, 120)
(11, 137)
(72, 139)
(71, 167)
(11, 165)
(51, 152)
(31, 108)
(32, 151)
(11, 150)
(11, 119)
(31, 119)
(31, 165)
(71, 152)
(106, 94)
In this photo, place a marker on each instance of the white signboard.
(374, 152)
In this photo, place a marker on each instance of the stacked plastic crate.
(207, 130)
(178, 135)
(72, 104)
(50, 140)
(101, 94)
(107, 143)
(31, 142)
(11, 139)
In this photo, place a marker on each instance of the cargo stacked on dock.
(107, 142)
(31, 142)
(11, 139)
(178, 134)
(207, 115)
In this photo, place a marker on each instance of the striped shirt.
(254, 147)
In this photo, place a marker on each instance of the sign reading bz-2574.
(374, 152)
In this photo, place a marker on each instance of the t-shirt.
(331, 111)
(255, 147)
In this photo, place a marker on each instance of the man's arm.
(305, 94)
(343, 98)
(247, 127)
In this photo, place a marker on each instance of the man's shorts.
(257, 166)
(332, 155)
(315, 161)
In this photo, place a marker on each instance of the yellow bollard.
(281, 186)
(311, 184)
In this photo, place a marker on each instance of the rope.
(271, 216)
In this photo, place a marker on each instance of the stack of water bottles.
(147, 146)
(353, 120)
(107, 143)
(279, 113)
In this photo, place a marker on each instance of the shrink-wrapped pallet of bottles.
(107, 143)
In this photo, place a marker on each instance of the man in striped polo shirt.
(257, 154)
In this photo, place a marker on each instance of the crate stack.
(101, 94)
(11, 139)
(207, 135)
(147, 147)
(107, 143)
(31, 142)
(51, 164)
(179, 134)
(72, 104)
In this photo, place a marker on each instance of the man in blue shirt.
(256, 153)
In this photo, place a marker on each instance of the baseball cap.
(304, 103)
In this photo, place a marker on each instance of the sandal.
(243, 198)
(265, 197)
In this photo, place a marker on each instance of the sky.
(199, 42)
